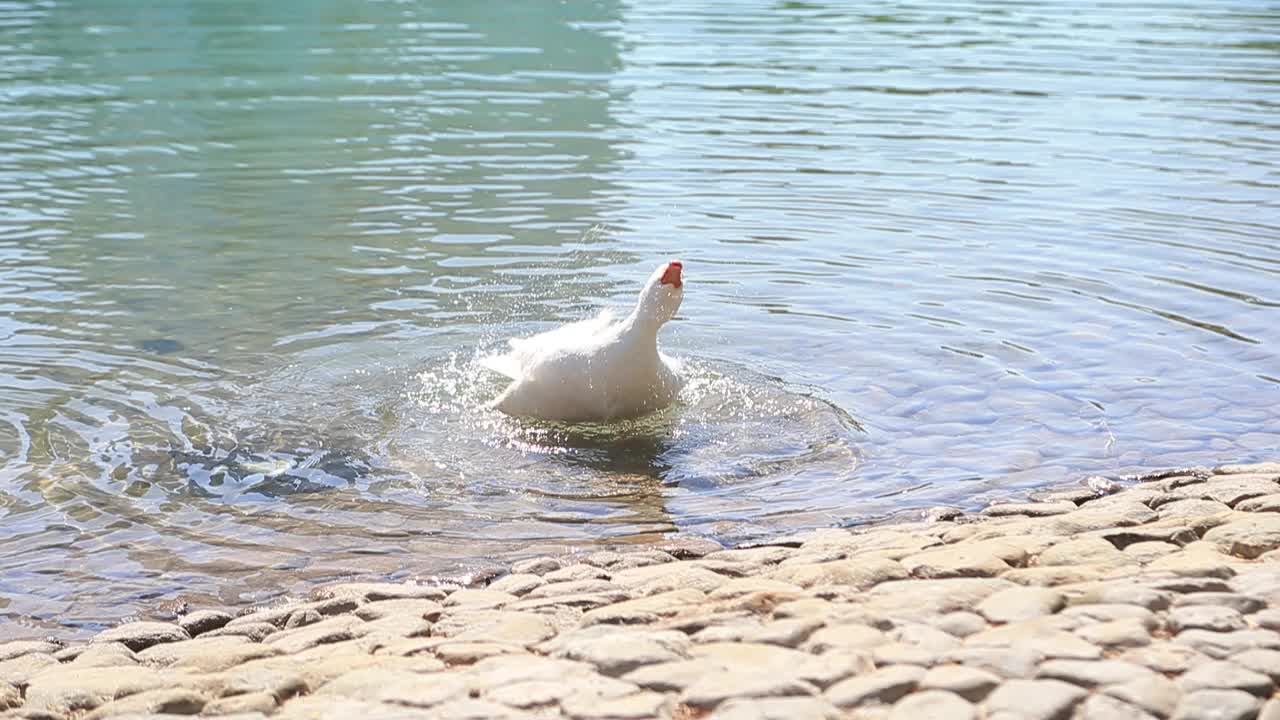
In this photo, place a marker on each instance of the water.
(936, 254)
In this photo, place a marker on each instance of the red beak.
(672, 274)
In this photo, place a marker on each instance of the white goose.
(598, 369)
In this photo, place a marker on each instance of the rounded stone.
(969, 683)
(1217, 705)
(1021, 603)
(933, 705)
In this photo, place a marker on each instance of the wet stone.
(372, 592)
(142, 635)
(1217, 705)
(302, 617)
(17, 670)
(257, 632)
(333, 630)
(1222, 675)
(106, 655)
(379, 609)
(202, 621)
(479, 599)
(517, 584)
(537, 566)
(1267, 468)
(17, 648)
(1204, 617)
(1035, 699)
(580, 571)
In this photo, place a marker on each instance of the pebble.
(884, 686)
(933, 705)
(202, 621)
(1092, 673)
(961, 624)
(1217, 705)
(969, 683)
(1034, 699)
(716, 687)
(1153, 693)
(1243, 604)
(776, 708)
(1021, 603)
(1217, 618)
(1161, 606)
(1105, 707)
(1223, 675)
(142, 635)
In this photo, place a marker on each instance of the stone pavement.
(1156, 600)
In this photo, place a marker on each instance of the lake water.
(936, 253)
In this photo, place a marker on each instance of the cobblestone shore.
(1158, 598)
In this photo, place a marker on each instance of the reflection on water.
(249, 253)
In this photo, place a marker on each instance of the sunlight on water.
(729, 425)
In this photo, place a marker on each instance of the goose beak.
(671, 276)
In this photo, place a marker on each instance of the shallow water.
(936, 253)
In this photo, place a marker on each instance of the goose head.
(661, 296)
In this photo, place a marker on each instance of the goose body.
(598, 369)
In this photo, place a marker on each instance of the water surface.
(937, 253)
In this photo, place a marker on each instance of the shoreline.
(1159, 598)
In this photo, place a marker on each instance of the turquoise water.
(936, 254)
